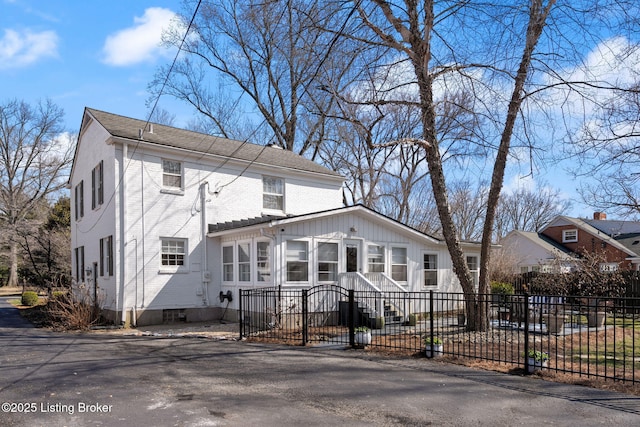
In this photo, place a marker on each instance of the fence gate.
(326, 314)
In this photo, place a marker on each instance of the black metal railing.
(591, 337)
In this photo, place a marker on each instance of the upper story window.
(173, 252)
(97, 185)
(569, 236)
(272, 193)
(430, 266)
(171, 174)
(399, 264)
(375, 259)
(79, 200)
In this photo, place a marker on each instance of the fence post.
(305, 324)
(240, 314)
(351, 318)
(526, 332)
(431, 322)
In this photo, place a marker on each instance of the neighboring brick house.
(565, 237)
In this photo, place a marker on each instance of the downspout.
(206, 276)
(123, 243)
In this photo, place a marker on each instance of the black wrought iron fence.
(592, 337)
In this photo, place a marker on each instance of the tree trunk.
(13, 264)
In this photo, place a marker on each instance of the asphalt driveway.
(57, 379)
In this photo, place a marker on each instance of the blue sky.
(99, 54)
(103, 54)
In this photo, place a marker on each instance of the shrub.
(500, 288)
(29, 298)
(58, 294)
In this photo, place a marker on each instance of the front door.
(352, 255)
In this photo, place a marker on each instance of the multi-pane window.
(171, 174)
(79, 200)
(97, 185)
(375, 257)
(227, 263)
(327, 262)
(272, 193)
(263, 261)
(399, 264)
(430, 266)
(173, 252)
(106, 256)
(244, 262)
(472, 263)
(569, 236)
(297, 261)
(79, 259)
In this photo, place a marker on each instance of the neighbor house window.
(106, 256)
(97, 186)
(472, 264)
(227, 263)
(244, 262)
(327, 262)
(272, 193)
(569, 236)
(430, 267)
(399, 264)
(263, 260)
(171, 174)
(79, 200)
(79, 258)
(173, 252)
(297, 261)
(375, 259)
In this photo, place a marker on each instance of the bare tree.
(608, 148)
(528, 210)
(34, 161)
(271, 59)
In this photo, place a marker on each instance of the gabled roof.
(544, 242)
(228, 227)
(618, 241)
(168, 136)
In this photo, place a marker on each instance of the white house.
(166, 220)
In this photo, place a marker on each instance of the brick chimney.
(599, 216)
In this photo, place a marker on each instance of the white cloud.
(141, 42)
(22, 48)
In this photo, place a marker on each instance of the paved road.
(109, 380)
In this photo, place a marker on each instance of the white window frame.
(475, 272)
(269, 191)
(371, 261)
(228, 265)
(570, 236)
(263, 261)
(177, 267)
(166, 188)
(243, 252)
(396, 264)
(304, 261)
(97, 185)
(106, 256)
(327, 269)
(431, 270)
